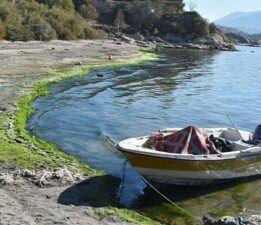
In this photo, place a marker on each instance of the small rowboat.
(243, 159)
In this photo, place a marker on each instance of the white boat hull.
(188, 169)
(193, 178)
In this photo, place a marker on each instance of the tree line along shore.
(44, 20)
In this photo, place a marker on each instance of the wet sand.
(25, 62)
(58, 202)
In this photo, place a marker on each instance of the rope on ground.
(171, 202)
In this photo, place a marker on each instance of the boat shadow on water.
(102, 191)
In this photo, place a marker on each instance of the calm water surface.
(184, 87)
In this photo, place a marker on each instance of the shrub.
(88, 11)
(62, 32)
(2, 31)
(188, 25)
(76, 26)
(213, 28)
(201, 26)
(26, 8)
(40, 28)
(61, 22)
(18, 32)
(45, 20)
(119, 20)
(174, 7)
(91, 33)
(141, 17)
(64, 4)
(49, 3)
(4, 12)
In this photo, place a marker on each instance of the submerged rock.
(251, 218)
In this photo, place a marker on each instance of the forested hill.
(85, 19)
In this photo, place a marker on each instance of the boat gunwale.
(253, 151)
(190, 157)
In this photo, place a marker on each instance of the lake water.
(184, 87)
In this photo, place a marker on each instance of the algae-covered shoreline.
(24, 107)
(28, 162)
(38, 183)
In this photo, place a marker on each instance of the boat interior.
(237, 139)
(224, 139)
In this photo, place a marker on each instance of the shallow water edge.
(181, 80)
(24, 106)
(52, 157)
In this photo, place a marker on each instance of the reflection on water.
(185, 87)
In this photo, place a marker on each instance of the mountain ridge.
(245, 21)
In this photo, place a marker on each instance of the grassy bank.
(21, 149)
(50, 155)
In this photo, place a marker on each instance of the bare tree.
(192, 5)
(119, 20)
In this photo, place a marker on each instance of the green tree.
(4, 12)
(119, 20)
(91, 33)
(64, 4)
(212, 28)
(50, 3)
(141, 16)
(41, 29)
(58, 19)
(201, 26)
(43, 20)
(2, 31)
(88, 11)
(175, 7)
(18, 32)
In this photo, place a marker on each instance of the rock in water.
(252, 218)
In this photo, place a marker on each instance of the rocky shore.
(250, 218)
(211, 42)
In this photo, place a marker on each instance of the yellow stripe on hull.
(161, 163)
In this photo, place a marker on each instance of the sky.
(216, 9)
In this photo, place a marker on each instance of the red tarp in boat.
(189, 140)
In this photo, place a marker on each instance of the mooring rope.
(167, 199)
(156, 190)
(123, 178)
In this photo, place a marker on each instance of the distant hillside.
(24, 20)
(231, 30)
(248, 22)
(237, 36)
